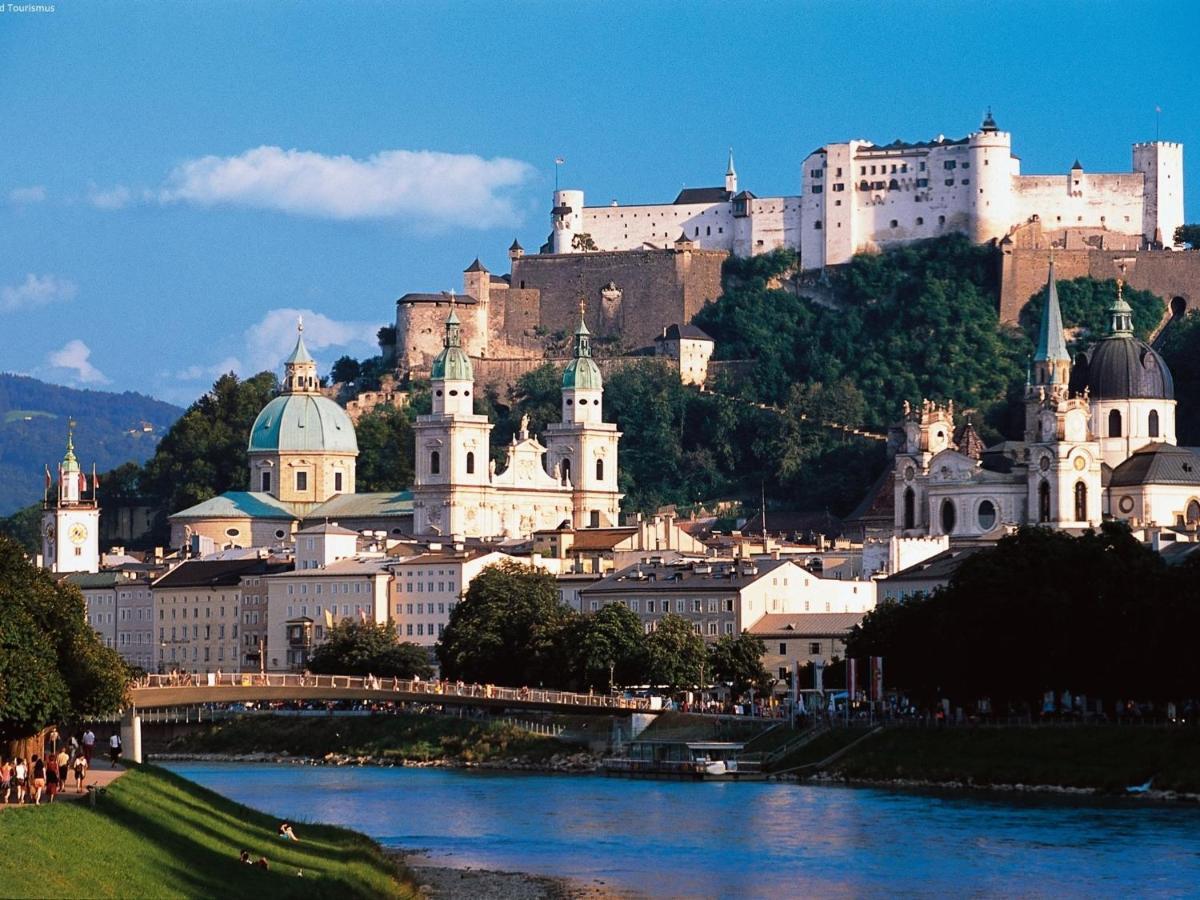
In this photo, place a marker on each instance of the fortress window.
(920, 221)
(266, 482)
(966, 165)
(950, 164)
(1114, 423)
(895, 223)
(941, 220)
(862, 170)
(921, 167)
(817, 225)
(949, 182)
(470, 462)
(872, 170)
(1153, 429)
(435, 463)
(893, 185)
(839, 173)
(302, 481)
(903, 167)
(337, 482)
(599, 470)
(968, 181)
(708, 231)
(922, 182)
(839, 187)
(816, 188)
(1080, 502)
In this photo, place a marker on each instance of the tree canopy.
(1085, 303)
(1180, 348)
(386, 445)
(1099, 614)
(677, 654)
(368, 648)
(53, 667)
(738, 662)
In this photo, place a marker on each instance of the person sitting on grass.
(286, 833)
(245, 857)
(262, 863)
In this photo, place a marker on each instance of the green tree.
(345, 370)
(1180, 349)
(204, 452)
(368, 648)
(52, 665)
(386, 444)
(510, 629)
(611, 636)
(738, 661)
(583, 241)
(25, 528)
(1085, 303)
(1188, 234)
(676, 654)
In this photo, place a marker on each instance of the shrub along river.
(738, 840)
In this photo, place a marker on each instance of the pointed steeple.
(582, 373)
(731, 175)
(70, 465)
(583, 337)
(1051, 361)
(452, 364)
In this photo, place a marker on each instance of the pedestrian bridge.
(159, 691)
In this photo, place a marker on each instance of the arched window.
(948, 517)
(1192, 516)
(566, 470)
(910, 509)
(435, 463)
(1081, 513)
(1044, 502)
(987, 515)
(1153, 426)
(599, 470)
(1114, 423)
(470, 462)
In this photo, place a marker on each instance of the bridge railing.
(436, 690)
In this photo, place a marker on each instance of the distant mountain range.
(110, 429)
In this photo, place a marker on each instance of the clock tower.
(71, 524)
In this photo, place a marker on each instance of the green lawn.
(398, 737)
(1108, 758)
(157, 835)
(19, 415)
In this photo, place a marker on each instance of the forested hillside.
(110, 429)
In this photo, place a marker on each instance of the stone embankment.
(566, 763)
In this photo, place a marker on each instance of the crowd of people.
(61, 766)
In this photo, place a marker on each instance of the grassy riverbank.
(154, 834)
(1104, 758)
(390, 738)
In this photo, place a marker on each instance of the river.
(738, 840)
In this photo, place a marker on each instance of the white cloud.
(210, 373)
(437, 188)
(76, 356)
(116, 197)
(36, 290)
(273, 337)
(34, 193)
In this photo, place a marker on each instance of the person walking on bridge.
(89, 744)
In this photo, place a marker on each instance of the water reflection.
(739, 840)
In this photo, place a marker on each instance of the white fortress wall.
(1081, 200)
(617, 227)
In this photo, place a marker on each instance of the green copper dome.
(302, 423)
(452, 364)
(582, 373)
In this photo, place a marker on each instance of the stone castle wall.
(1172, 275)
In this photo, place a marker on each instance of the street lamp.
(611, 667)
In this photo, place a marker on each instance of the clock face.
(1080, 463)
(78, 533)
(1045, 463)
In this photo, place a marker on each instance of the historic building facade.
(71, 523)
(572, 477)
(1099, 443)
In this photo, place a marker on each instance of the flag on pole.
(95, 481)
(328, 619)
(877, 678)
(82, 482)
(362, 614)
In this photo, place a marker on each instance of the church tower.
(71, 525)
(731, 176)
(1063, 481)
(452, 460)
(582, 449)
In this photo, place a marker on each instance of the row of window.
(423, 587)
(423, 608)
(333, 588)
(423, 630)
(301, 482)
(713, 604)
(318, 610)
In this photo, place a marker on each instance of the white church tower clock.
(71, 524)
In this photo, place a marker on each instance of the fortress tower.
(1161, 163)
(989, 153)
(567, 220)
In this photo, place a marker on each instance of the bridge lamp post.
(611, 666)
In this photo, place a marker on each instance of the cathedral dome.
(582, 373)
(452, 364)
(1121, 367)
(302, 423)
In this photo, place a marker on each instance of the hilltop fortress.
(643, 268)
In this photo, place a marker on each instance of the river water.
(769, 840)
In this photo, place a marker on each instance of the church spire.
(1051, 361)
(583, 337)
(1121, 323)
(731, 175)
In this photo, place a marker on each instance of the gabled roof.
(385, 504)
(806, 624)
(238, 505)
(939, 567)
(703, 195)
(601, 538)
(458, 299)
(701, 576)
(327, 528)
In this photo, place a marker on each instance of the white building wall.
(709, 225)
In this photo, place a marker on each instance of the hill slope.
(110, 429)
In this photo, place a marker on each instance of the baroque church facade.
(572, 477)
(1099, 444)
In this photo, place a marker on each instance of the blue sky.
(179, 179)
